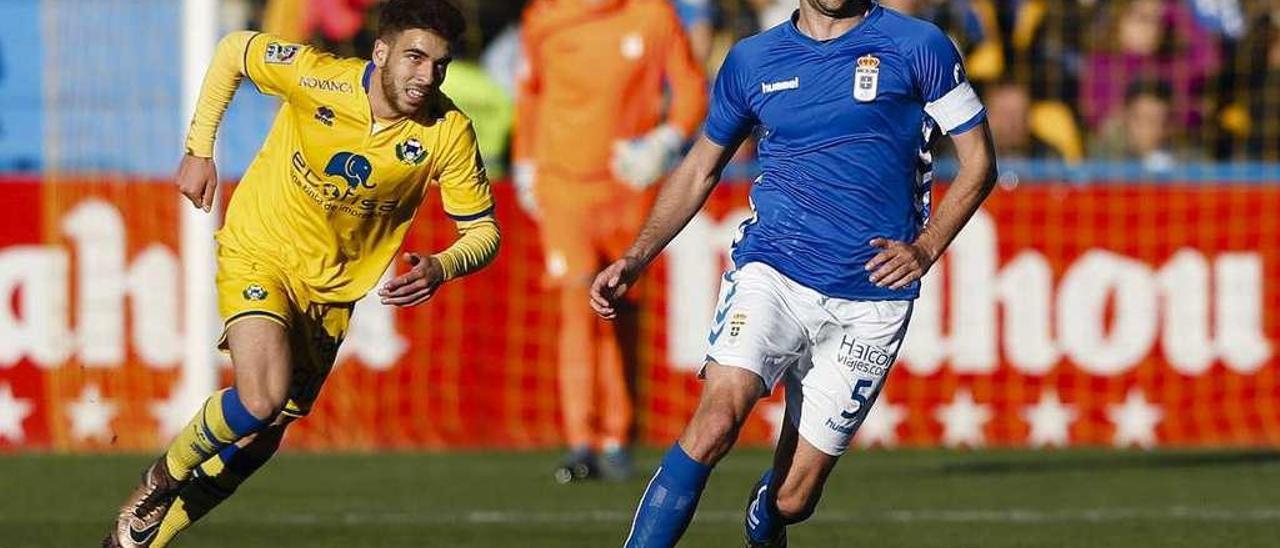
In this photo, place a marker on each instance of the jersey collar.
(834, 43)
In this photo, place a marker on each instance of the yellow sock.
(222, 420)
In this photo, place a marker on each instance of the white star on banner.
(1135, 420)
(170, 414)
(881, 425)
(962, 420)
(1050, 421)
(91, 415)
(12, 412)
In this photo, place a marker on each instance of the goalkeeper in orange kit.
(591, 140)
(316, 220)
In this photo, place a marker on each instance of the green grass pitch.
(875, 499)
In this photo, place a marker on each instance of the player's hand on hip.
(198, 181)
(416, 286)
(898, 263)
(611, 284)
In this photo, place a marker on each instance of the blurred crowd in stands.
(1157, 83)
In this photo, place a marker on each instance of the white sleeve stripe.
(955, 108)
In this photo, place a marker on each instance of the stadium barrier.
(1112, 313)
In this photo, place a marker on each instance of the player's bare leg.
(788, 492)
(728, 395)
(260, 356)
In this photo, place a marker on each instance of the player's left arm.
(952, 103)
(468, 200)
(900, 263)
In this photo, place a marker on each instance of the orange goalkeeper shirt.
(596, 73)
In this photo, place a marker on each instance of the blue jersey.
(844, 131)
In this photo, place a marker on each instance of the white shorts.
(835, 353)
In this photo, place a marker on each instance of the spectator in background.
(1140, 130)
(502, 59)
(336, 21)
(1044, 45)
(1250, 115)
(697, 17)
(591, 141)
(771, 13)
(1024, 128)
(1147, 39)
(488, 105)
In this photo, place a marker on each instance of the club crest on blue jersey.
(411, 151)
(352, 167)
(866, 78)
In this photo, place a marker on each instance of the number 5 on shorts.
(858, 397)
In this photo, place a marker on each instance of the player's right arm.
(728, 122)
(270, 63)
(684, 193)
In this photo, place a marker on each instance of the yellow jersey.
(332, 192)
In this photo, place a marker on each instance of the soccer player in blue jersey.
(847, 99)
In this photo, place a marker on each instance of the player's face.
(413, 67)
(840, 8)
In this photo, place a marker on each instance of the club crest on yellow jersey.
(411, 151)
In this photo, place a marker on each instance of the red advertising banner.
(1108, 314)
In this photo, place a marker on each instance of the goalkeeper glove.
(642, 161)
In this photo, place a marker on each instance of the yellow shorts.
(251, 287)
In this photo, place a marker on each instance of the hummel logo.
(770, 87)
(142, 536)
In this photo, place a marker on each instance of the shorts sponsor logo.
(281, 54)
(324, 84)
(844, 427)
(864, 358)
(254, 292)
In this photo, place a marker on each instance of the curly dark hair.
(438, 16)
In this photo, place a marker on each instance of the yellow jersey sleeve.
(275, 65)
(476, 246)
(464, 185)
(220, 83)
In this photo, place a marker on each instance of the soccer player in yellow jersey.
(314, 223)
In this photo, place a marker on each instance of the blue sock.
(763, 521)
(669, 501)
